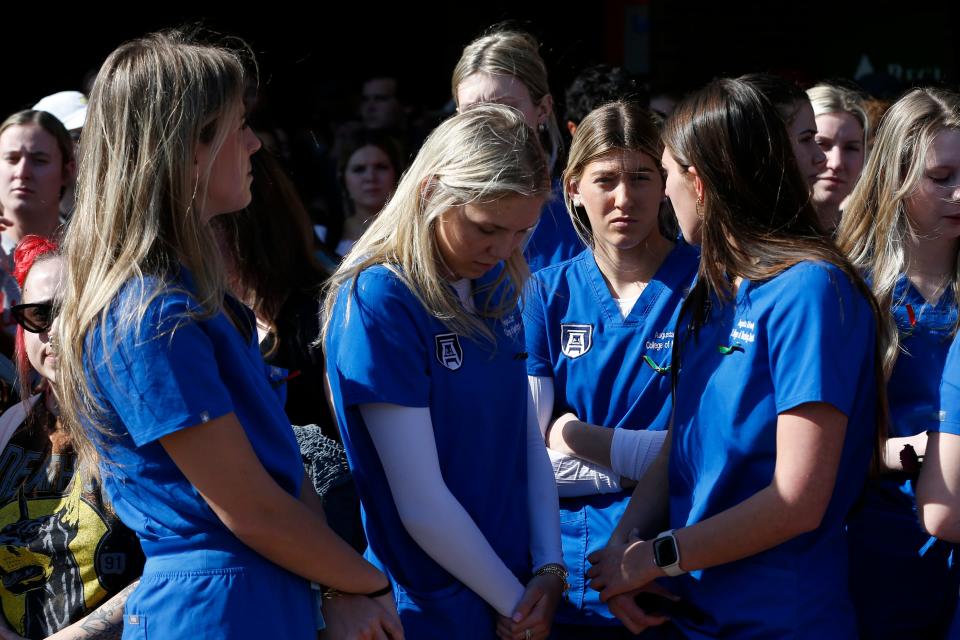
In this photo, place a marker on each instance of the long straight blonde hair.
(479, 156)
(140, 197)
(875, 231)
(508, 52)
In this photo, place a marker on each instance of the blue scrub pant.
(219, 595)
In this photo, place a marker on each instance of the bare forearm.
(760, 522)
(103, 623)
(939, 486)
(292, 535)
(265, 517)
(576, 438)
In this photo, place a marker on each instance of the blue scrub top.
(554, 240)
(949, 414)
(806, 335)
(169, 372)
(892, 558)
(384, 347)
(577, 336)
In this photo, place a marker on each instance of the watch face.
(665, 551)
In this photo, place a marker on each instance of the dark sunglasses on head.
(35, 317)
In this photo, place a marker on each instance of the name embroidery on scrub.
(661, 340)
(448, 350)
(575, 339)
(744, 332)
(512, 325)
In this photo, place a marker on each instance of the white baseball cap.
(70, 107)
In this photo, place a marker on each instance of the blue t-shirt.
(384, 347)
(554, 239)
(804, 336)
(892, 558)
(577, 336)
(169, 372)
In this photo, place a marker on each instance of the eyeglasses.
(35, 317)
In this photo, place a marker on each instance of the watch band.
(670, 568)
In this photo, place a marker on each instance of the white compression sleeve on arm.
(542, 501)
(633, 451)
(574, 477)
(403, 437)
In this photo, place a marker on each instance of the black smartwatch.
(666, 553)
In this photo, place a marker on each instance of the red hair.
(30, 249)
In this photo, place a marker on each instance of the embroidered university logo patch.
(449, 353)
(575, 339)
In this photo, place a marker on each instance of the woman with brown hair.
(599, 333)
(776, 386)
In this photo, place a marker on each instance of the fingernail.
(517, 617)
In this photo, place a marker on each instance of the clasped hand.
(620, 571)
(534, 612)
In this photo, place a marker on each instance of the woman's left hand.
(619, 568)
(533, 616)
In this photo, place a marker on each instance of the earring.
(700, 207)
(576, 202)
(542, 127)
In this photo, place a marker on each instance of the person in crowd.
(368, 168)
(842, 126)
(380, 103)
(161, 376)
(901, 227)
(267, 250)
(70, 108)
(425, 357)
(594, 87)
(776, 395)
(795, 110)
(504, 66)
(36, 167)
(69, 563)
(599, 330)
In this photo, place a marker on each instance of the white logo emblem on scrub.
(576, 339)
(449, 352)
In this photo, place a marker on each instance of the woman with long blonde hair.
(161, 371)
(504, 66)
(425, 356)
(842, 125)
(901, 227)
